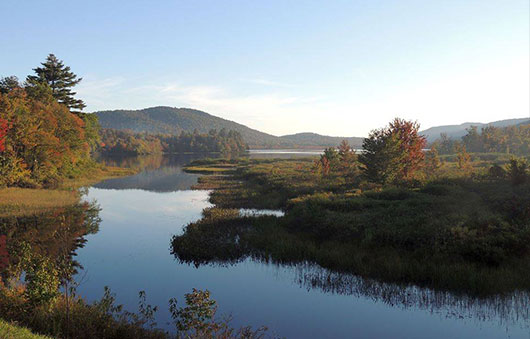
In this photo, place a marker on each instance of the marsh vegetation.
(395, 213)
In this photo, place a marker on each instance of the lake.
(131, 252)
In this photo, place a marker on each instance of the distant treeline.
(128, 142)
(511, 139)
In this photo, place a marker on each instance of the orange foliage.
(44, 137)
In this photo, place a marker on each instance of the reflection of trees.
(157, 173)
(136, 162)
(55, 235)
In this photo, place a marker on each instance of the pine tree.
(8, 84)
(60, 79)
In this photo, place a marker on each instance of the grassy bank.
(16, 201)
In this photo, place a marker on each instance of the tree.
(517, 171)
(328, 161)
(393, 153)
(472, 140)
(60, 79)
(3, 133)
(8, 84)
(348, 161)
(464, 159)
(447, 145)
(432, 161)
(346, 153)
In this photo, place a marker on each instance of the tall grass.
(27, 201)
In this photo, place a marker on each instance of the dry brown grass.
(16, 201)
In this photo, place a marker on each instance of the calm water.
(131, 253)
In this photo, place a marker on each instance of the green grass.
(11, 331)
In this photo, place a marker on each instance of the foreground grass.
(11, 331)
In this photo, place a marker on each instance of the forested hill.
(458, 131)
(170, 120)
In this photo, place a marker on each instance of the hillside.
(458, 131)
(170, 120)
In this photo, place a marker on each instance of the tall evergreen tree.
(60, 79)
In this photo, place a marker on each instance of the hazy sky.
(331, 67)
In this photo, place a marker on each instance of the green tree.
(464, 159)
(432, 161)
(61, 81)
(393, 153)
(8, 84)
(517, 171)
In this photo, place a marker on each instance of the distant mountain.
(458, 131)
(170, 120)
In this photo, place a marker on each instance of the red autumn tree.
(3, 133)
(411, 145)
(394, 153)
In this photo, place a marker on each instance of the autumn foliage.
(3, 133)
(41, 140)
(393, 154)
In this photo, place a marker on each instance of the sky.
(331, 67)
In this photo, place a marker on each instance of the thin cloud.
(265, 82)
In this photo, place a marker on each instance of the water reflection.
(507, 309)
(157, 173)
(58, 232)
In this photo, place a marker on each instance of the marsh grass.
(463, 233)
(96, 175)
(15, 201)
(28, 201)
